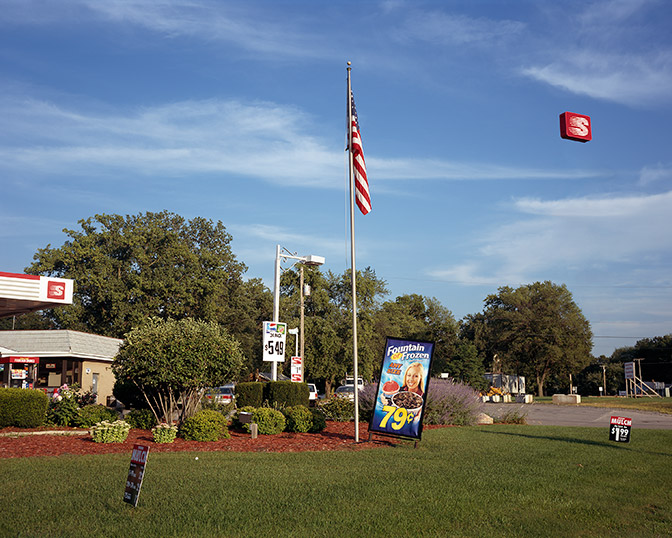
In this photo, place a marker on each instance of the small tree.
(174, 361)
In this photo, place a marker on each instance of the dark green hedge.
(281, 393)
(287, 393)
(22, 408)
(249, 394)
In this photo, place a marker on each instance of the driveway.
(577, 415)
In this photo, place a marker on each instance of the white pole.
(276, 305)
(352, 257)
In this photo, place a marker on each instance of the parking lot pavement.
(577, 415)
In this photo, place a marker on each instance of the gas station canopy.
(20, 294)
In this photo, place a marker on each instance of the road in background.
(577, 415)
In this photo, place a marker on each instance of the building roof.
(268, 376)
(56, 343)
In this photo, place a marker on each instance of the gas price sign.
(275, 335)
(619, 429)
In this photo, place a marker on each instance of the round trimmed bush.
(89, 415)
(338, 408)
(319, 421)
(206, 425)
(299, 419)
(24, 408)
(269, 421)
(142, 419)
(110, 432)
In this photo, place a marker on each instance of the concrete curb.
(45, 432)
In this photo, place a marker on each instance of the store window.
(50, 373)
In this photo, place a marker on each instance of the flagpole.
(352, 258)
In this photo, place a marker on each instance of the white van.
(351, 381)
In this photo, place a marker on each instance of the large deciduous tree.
(422, 318)
(328, 321)
(154, 264)
(173, 361)
(537, 330)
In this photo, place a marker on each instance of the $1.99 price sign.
(619, 429)
(275, 335)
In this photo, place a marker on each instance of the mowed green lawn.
(512, 480)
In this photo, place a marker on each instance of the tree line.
(128, 269)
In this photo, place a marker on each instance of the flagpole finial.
(349, 63)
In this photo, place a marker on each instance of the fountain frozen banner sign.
(402, 389)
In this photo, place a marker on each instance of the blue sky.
(235, 111)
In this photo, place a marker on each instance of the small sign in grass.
(136, 473)
(619, 429)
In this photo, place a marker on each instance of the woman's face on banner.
(413, 378)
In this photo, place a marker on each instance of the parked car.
(312, 398)
(220, 395)
(346, 391)
(351, 381)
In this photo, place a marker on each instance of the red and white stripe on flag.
(362, 196)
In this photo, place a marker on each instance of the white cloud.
(226, 138)
(455, 170)
(555, 237)
(636, 80)
(612, 50)
(598, 207)
(612, 11)
(654, 174)
(443, 28)
(245, 26)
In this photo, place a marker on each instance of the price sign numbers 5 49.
(275, 348)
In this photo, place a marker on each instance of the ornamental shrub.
(164, 433)
(269, 421)
(249, 394)
(224, 409)
(89, 415)
(142, 419)
(451, 403)
(23, 408)
(367, 399)
(206, 425)
(319, 420)
(63, 407)
(110, 432)
(338, 408)
(512, 417)
(126, 392)
(299, 419)
(286, 393)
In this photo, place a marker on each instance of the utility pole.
(604, 378)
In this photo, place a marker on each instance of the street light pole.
(303, 260)
(276, 305)
(302, 315)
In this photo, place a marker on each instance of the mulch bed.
(336, 436)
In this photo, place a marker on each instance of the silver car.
(346, 391)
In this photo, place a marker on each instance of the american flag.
(362, 196)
